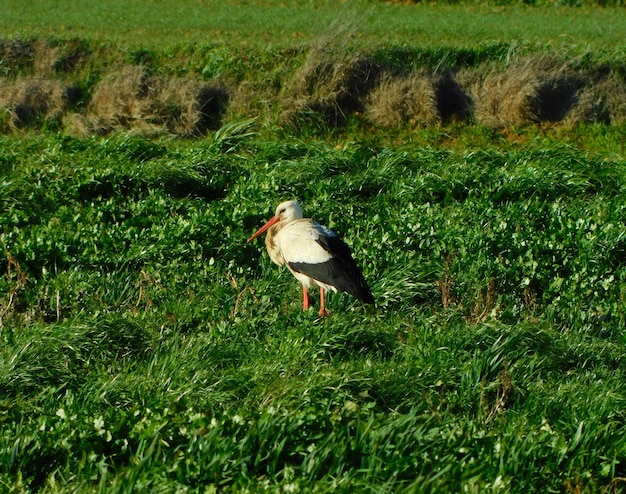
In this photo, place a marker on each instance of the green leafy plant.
(145, 344)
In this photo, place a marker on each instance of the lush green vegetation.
(145, 346)
(151, 24)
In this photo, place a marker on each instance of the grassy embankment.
(146, 346)
(189, 68)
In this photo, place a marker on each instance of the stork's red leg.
(322, 311)
(305, 298)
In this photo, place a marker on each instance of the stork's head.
(285, 211)
(288, 210)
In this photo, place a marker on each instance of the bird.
(314, 254)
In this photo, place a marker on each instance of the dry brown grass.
(609, 96)
(589, 108)
(47, 58)
(42, 57)
(132, 99)
(329, 87)
(27, 99)
(331, 83)
(408, 98)
(17, 54)
(334, 80)
(537, 89)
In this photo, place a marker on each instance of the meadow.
(145, 346)
(148, 24)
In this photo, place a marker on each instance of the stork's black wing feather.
(339, 271)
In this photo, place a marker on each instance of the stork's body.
(315, 255)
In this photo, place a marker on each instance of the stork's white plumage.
(314, 254)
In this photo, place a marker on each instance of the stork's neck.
(270, 242)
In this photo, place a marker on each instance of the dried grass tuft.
(134, 100)
(27, 99)
(334, 80)
(609, 97)
(41, 57)
(589, 108)
(46, 58)
(537, 89)
(329, 88)
(406, 98)
(17, 54)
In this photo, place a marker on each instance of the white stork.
(315, 255)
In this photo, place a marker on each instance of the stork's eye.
(282, 211)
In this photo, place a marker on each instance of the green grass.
(253, 24)
(146, 346)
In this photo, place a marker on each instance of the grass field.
(145, 346)
(156, 24)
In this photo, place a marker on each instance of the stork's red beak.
(265, 227)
